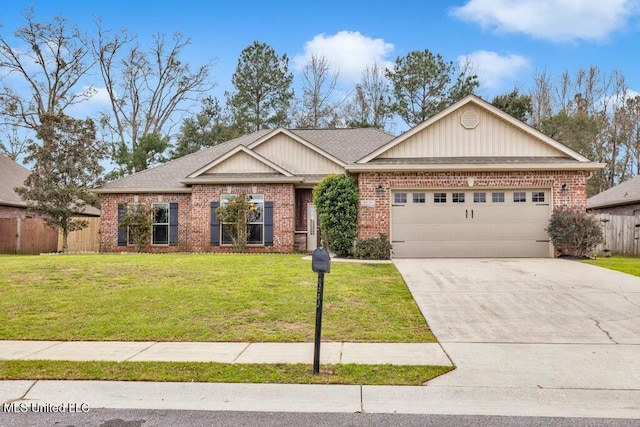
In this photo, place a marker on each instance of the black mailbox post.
(320, 263)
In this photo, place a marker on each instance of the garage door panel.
(501, 249)
(427, 215)
(501, 228)
(517, 214)
(468, 232)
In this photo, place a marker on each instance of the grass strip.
(619, 263)
(219, 372)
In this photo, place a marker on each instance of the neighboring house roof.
(473, 134)
(337, 146)
(625, 193)
(12, 175)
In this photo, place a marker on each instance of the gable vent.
(469, 119)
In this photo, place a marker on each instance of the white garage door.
(470, 223)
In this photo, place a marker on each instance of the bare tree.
(541, 98)
(593, 113)
(147, 90)
(369, 105)
(42, 77)
(316, 108)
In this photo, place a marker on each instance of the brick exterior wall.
(375, 219)
(109, 220)
(16, 212)
(282, 196)
(619, 210)
(194, 212)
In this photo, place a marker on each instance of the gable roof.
(625, 193)
(343, 146)
(235, 152)
(300, 140)
(572, 159)
(12, 175)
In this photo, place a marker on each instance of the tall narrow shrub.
(336, 200)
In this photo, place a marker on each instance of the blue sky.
(507, 40)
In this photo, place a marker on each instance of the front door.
(312, 227)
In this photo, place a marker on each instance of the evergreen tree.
(263, 90)
(424, 84)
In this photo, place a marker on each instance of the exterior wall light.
(380, 189)
(565, 189)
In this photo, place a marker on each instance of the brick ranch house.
(471, 181)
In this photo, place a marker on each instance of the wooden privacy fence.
(622, 235)
(85, 240)
(26, 236)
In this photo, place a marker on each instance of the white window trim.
(259, 199)
(153, 225)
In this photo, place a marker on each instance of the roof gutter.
(140, 190)
(613, 204)
(247, 180)
(474, 167)
(13, 204)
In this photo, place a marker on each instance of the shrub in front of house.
(336, 200)
(573, 232)
(373, 248)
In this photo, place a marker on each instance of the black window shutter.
(122, 231)
(215, 225)
(268, 223)
(173, 224)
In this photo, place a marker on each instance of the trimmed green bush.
(373, 248)
(574, 232)
(336, 200)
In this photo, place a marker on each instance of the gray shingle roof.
(625, 193)
(347, 145)
(168, 176)
(12, 175)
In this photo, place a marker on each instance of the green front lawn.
(181, 297)
(219, 372)
(619, 263)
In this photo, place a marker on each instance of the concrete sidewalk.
(227, 352)
(82, 396)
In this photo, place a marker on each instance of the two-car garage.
(470, 223)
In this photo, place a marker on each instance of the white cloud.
(555, 20)
(100, 97)
(495, 71)
(98, 101)
(348, 52)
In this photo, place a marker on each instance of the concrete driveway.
(541, 323)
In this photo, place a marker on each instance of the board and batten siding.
(492, 136)
(295, 157)
(240, 163)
